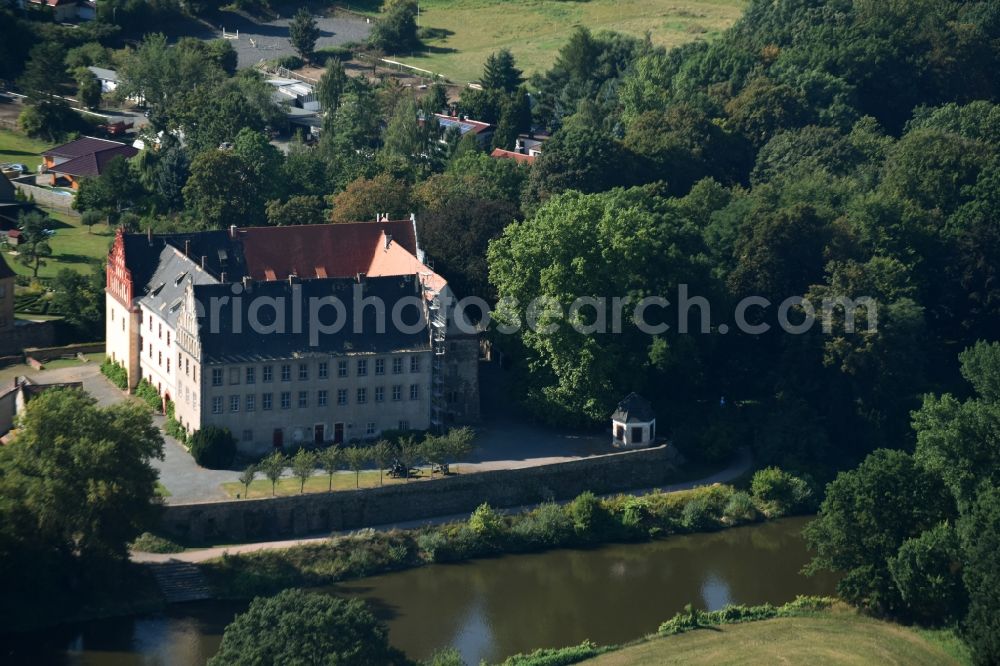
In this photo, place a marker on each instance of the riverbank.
(837, 636)
(586, 521)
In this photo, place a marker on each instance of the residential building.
(14, 398)
(184, 312)
(86, 157)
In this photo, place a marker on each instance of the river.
(492, 608)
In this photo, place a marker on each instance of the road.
(740, 466)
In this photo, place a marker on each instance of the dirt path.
(737, 468)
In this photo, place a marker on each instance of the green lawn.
(839, 636)
(534, 30)
(320, 483)
(73, 246)
(16, 147)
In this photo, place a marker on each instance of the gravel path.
(737, 468)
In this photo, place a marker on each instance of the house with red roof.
(87, 157)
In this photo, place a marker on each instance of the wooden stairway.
(180, 581)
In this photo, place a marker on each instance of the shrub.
(591, 519)
(151, 543)
(173, 427)
(546, 526)
(487, 524)
(697, 516)
(445, 657)
(778, 493)
(339, 52)
(116, 373)
(692, 618)
(740, 508)
(289, 62)
(213, 447)
(555, 657)
(149, 395)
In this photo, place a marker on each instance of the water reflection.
(489, 609)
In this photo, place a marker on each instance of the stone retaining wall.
(44, 196)
(315, 513)
(27, 334)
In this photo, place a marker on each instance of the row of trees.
(917, 536)
(440, 451)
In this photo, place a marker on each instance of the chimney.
(361, 278)
(187, 247)
(246, 283)
(388, 240)
(222, 277)
(232, 231)
(203, 257)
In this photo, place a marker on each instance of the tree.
(303, 466)
(170, 175)
(778, 493)
(88, 88)
(90, 218)
(246, 478)
(409, 453)
(79, 298)
(500, 73)
(583, 159)
(867, 515)
(458, 444)
(299, 627)
(273, 466)
(357, 457)
(403, 136)
(219, 194)
(213, 447)
(299, 209)
(979, 531)
(434, 450)
(331, 459)
(34, 246)
(435, 101)
(116, 190)
(365, 198)
(395, 31)
(331, 86)
(303, 33)
(927, 571)
(77, 481)
(43, 75)
(382, 454)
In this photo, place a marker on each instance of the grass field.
(318, 484)
(73, 246)
(834, 637)
(534, 30)
(16, 147)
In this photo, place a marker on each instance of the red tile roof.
(520, 158)
(320, 250)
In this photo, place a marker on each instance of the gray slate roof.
(165, 289)
(634, 409)
(222, 343)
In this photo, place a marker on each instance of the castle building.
(292, 335)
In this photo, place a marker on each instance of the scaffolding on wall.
(438, 321)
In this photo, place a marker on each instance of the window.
(150, 350)
(370, 428)
(234, 375)
(159, 358)
(341, 396)
(265, 401)
(248, 435)
(217, 404)
(341, 368)
(404, 425)
(379, 394)
(321, 398)
(397, 392)
(362, 367)
(159, 331)
(397, 365)
(414, 391)
(286, 373)
(150, 320)
(303, 372)
(414, 364)
(251, 402)
(267, 373)
(322, 370)
(362, 396)
(168, 366)
(234, 403)
(168, 338)
(286, 399)
(303, 399)
(380, 366)
(251, 375)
